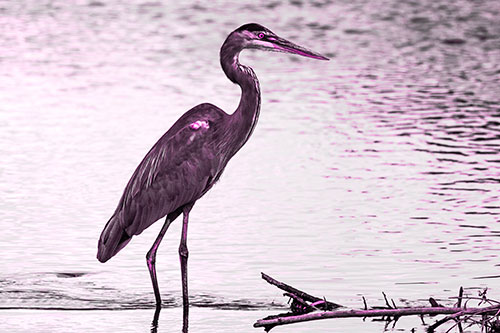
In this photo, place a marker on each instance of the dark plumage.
(190, 157)
(252, 27)
(179, 169)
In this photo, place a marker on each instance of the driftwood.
(306, 307)
(300, 298)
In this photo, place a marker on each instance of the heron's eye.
(261, 35)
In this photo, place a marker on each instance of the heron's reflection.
(156, 317)
(154, 323)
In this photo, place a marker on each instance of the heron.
(191, 156)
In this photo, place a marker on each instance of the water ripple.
(41, 291)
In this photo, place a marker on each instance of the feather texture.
(185, 162)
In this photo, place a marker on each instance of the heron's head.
(255, 36)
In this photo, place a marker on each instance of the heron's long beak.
(283, 45)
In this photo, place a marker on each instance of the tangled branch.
(306, 307)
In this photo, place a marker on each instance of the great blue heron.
(190, 157)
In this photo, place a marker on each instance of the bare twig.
(469, 298)
(462, 312)
(386, 301)
(434, 303)
(305, 296)
(460, 294)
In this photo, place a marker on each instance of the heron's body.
(168, 177)
(191, 156)
(185, 162)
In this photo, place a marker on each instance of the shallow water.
(375, 171)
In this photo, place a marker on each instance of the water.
(375, 171)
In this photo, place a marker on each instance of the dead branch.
(321, 303)
(303, 311)
(375, 313)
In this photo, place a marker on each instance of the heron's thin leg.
(151, 260)
(183, 256)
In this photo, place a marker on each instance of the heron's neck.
(246, 115)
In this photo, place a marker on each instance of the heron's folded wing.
(176, 171)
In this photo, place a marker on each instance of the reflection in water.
(52, 291)
(156, 316)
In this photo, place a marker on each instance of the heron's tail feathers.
(113, 239)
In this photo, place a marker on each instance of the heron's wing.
(177, 170)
